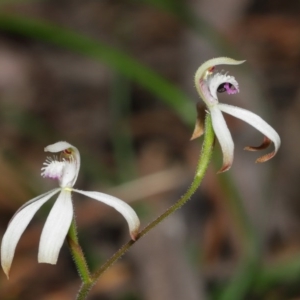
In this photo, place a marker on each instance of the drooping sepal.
(17, 226)
(121, 206)
(199, 126)
(56, 228)
(224, 137)
(258, 123)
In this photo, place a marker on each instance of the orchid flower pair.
(59, 220)
(208, 83)
(66, 169)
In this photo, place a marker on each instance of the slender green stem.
(203, 163)
(77, 253)
(85, 289)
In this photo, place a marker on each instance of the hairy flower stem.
(203, 163)
(77, 254)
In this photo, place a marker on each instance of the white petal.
(224, 137)
(255, 121)
(71, 169)
(121, 206)
(17, 226)
(56, 228)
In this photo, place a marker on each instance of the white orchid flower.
(59, 220)
(208, 83)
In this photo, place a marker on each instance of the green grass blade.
(116, 59)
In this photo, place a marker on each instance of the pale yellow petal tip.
(134, 234)
(227, 61)
(238, 62)
(6, 271)
(44, 261)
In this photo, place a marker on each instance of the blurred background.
(115, 79)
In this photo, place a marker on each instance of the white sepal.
(224, 137)
(17, 226)
(255, 121)
(122, 207)
(56, 228)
